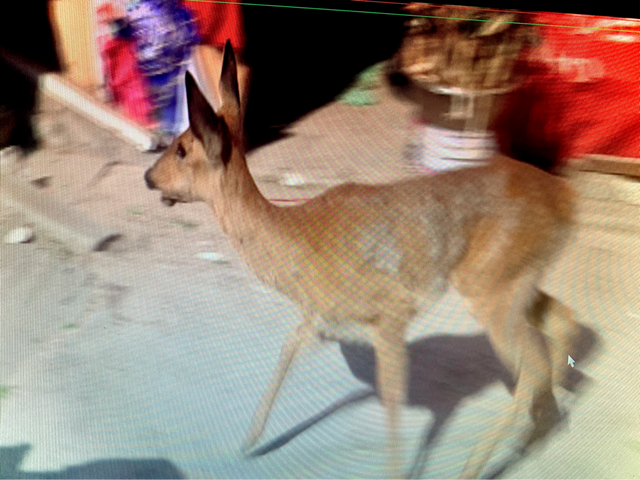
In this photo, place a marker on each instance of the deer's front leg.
(302, 336)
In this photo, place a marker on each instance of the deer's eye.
(181, 152)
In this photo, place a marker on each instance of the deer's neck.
(241, 209)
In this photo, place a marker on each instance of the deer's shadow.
(443, 371)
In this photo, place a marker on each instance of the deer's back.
(356, 247)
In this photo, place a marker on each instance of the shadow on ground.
(11, 459)
(444, 371)
(303, 56)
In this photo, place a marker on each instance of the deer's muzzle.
(148, 181)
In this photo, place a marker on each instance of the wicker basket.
(467, 49)
(461, 62)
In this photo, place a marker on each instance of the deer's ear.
(229, 78)
(202, 118)
(206, 126)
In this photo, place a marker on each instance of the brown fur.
(362, 260)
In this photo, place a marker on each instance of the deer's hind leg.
(523, 348)
(567, 338)
(391, 370)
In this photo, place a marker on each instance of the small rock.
(19, 235)
(213, 257)
(42, 182)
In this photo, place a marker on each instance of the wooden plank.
(98, 112)
(88, 105)
(607, 164)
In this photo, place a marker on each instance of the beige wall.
(74, 26)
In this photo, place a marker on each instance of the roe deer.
(362, 261)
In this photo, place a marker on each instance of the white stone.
(292, 180)
(19, 235)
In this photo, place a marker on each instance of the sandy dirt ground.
(147, 360)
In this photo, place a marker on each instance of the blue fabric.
(165, 34)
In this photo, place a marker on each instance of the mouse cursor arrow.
(571, 362)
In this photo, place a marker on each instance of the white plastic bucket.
(437, 149)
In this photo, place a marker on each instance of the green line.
(411, 15)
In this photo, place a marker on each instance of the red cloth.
(218, 22)
(125, 81)
(583, 94)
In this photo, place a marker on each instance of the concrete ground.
(148, 359)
